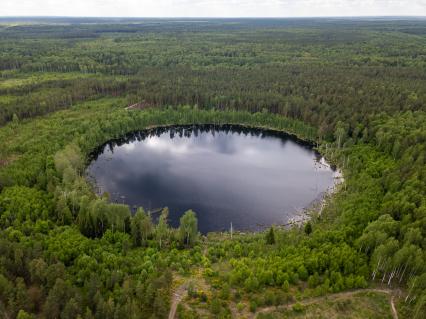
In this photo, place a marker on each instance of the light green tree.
(162, 229)
(340, 133)
(188, 229)
(141, 227)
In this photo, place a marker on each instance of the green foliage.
(253, 306)
(15, 121)
(188, 228)
(70, 157)
(141, 227)
(297, 307)
(162, 232)
(67, 253)
(22, 314)
(308, 228)
(270, 236)
(20, 204)
(251, 283)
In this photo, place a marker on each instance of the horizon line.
(212, 17)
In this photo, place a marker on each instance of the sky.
(212, 8)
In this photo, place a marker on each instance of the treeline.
(29, 101)
(249, 65)
(125, 269)
(76, 204)
(92, 124)
(317, 95)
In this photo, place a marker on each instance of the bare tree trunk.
(391, 276)
(403, 272)
(377, 267)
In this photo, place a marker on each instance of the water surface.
(249, 177)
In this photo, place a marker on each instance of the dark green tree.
(308, 228)
(270, 236)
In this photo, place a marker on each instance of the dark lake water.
(250, 177)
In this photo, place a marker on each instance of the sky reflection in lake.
(247, 177)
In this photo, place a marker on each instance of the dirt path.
(181, 292)
(177, 297)
(394, 312)
(310, 301)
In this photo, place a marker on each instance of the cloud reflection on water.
(225, 176)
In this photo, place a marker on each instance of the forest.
(353, 88)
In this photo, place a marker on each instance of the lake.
(227, 174)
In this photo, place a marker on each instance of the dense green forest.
(355, 88)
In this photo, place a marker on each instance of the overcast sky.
(211, 8)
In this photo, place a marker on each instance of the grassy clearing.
(360, 305)
(22, 80)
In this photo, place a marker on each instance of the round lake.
(227, 174)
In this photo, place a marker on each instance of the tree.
(420, 307)
(251, 283)
(70, 157)
(22, 314)
(340, 133)
(162, 229)
(270, 236)
(141, 227)
(84, 219)
(71, 310)
(188, 229)
(38, 269)
(22, 300)
(302, 272)
(6, 287)
(98, 216)
(64, 216)
(215, 306)
(117, 215)
(160, 306)
(56, 299)
(15, 120)
(308, 228)
(285, 286)
(19, 204)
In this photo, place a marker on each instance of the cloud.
(209, 8)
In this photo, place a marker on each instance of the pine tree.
(270, 236)
(308, 228)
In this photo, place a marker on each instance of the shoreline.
(299, 216)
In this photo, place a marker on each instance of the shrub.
(297, 307)
(253, 306)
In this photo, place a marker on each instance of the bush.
(270, 298)
(253, 306)
(215, 306)
(286, 286)
(303, 273)
(202, 296)
(19, 204)
(251, 284)
(240, 306)
(297, 307)
(224, 292)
